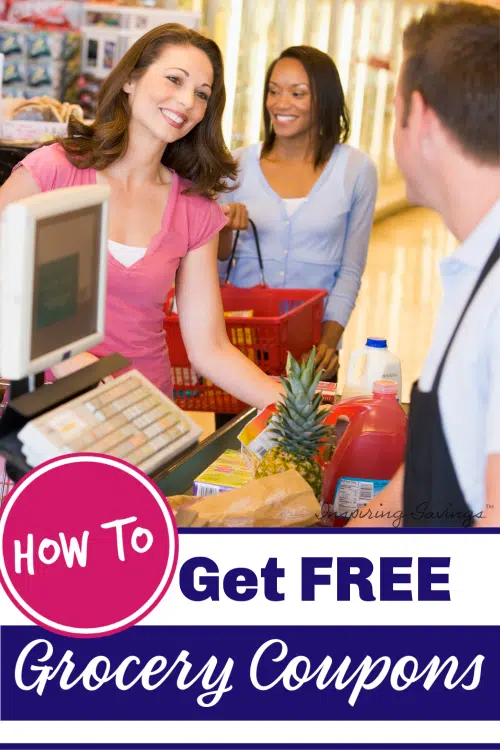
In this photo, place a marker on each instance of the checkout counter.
(36, 335)
(177, 477)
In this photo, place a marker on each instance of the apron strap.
(492, 260)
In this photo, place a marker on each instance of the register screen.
(65, 289)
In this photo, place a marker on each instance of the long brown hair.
(328, 101)
(200, 156)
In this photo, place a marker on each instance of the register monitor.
(53, 291)
(53, 249)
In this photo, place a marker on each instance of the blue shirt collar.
(475, 250)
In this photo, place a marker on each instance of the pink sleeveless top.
(136, 295)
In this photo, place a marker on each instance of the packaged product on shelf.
(14, 73)
(39, 45)
(50, 78)
(29, 132)
(227, 473)
(13, 92)
(99, 18)
(71, 45)
(53, 45)
(47, 14)
(84, 90)
(46, 74)
(40, 63)
(12, 44)
(38, 120)
(46, 109)
(35, 92)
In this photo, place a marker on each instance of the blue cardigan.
(323, 245)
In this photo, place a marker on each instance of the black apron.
(432, 493)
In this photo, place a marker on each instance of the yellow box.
(229, 472)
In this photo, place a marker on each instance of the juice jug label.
(390, 375)
(353, 493)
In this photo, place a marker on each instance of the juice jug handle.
(345, 411)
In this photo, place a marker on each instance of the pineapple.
(298, 427)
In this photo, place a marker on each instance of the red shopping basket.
(284, 320)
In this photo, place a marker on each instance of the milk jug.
(373, 362)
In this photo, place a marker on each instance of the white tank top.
(292, 204)
(126, 254)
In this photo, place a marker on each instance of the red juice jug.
(368, 453)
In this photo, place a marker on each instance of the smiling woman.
(157, 142)
(171, 78)
(310, 195)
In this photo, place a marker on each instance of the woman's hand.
(238, 221)
(327, 358)
(238, 217)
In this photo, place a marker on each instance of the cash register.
(53, 258)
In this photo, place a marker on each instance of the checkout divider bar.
(179, 477)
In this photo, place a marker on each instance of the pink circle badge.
(88, 545)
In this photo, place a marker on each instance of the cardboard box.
(256, 439)
(229, 472)
(30, 131)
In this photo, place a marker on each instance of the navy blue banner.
(253, 673)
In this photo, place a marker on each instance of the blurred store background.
(62, 49)
(362, 36)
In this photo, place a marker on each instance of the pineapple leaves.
(298, 427)
(287, 388)
(308, 373)
(314, 385)
(290, 413)
(292, 366)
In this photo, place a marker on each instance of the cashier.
(447, 144)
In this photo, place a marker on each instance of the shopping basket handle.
(232, 258)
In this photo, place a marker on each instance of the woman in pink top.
(157, 142)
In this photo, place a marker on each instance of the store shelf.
(365, 40)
